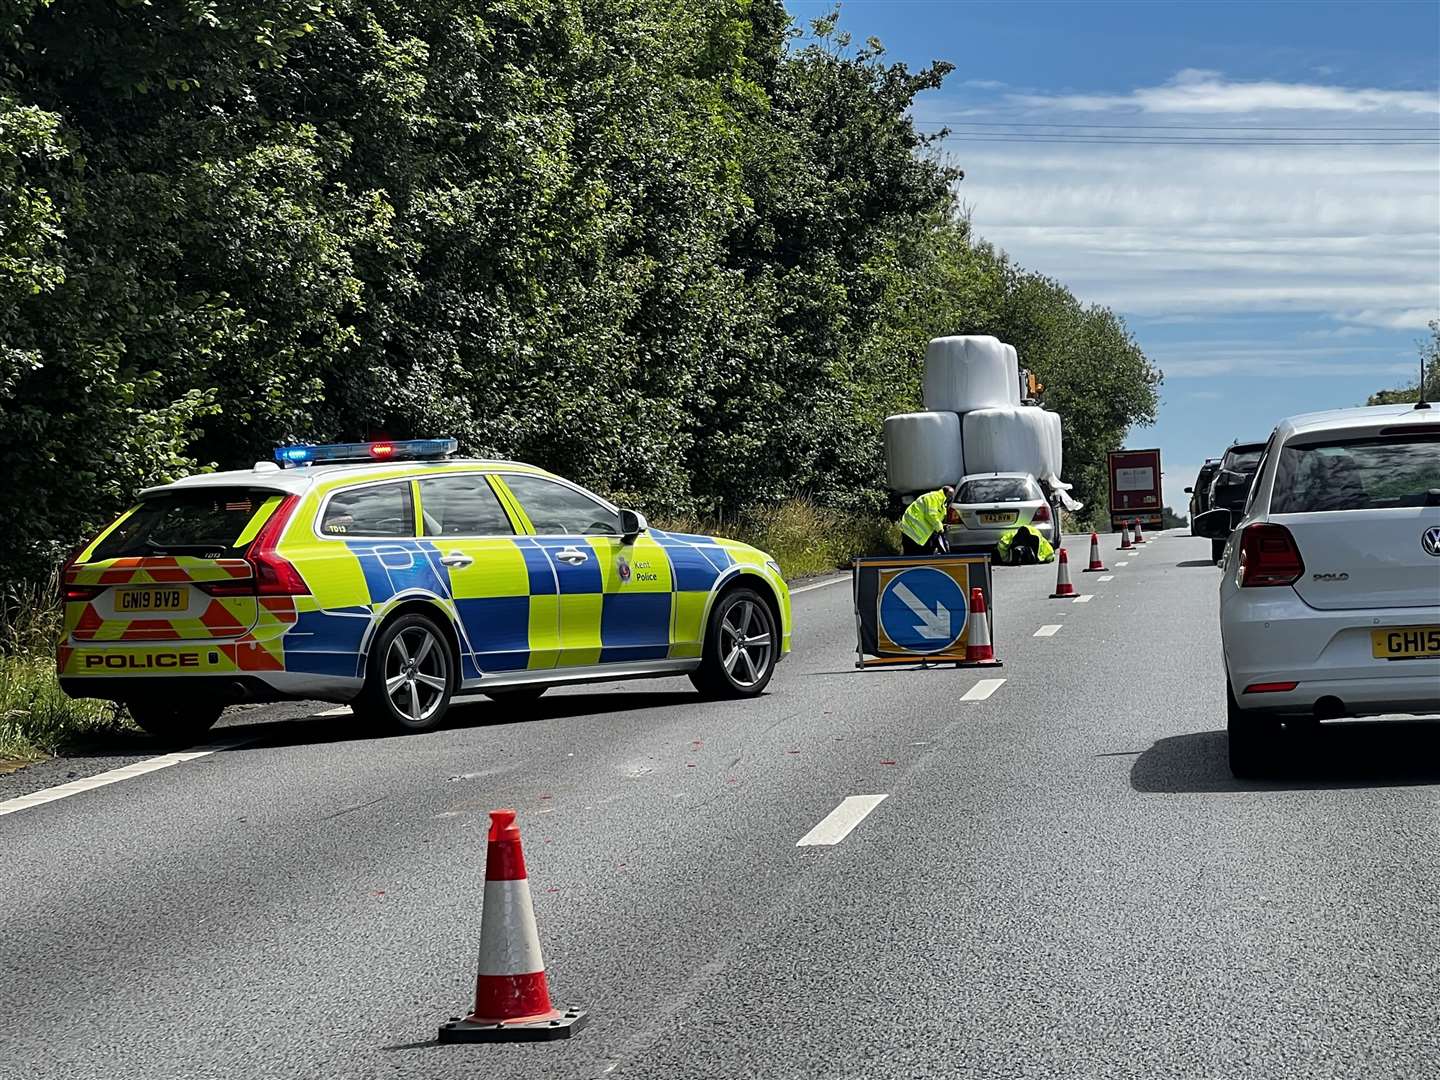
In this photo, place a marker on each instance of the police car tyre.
(740, 647)
(516, 695)
(175, 722)
(410, 676)
(1254, 739)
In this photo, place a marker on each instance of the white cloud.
(985, 84)
(1411, 319)
(1194, 91)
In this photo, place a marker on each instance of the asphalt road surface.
(1062, 881)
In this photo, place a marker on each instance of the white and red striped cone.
(1063, 589)
(1139, 532)
(1096, 566)
(512, 998)
(978, 649)
(1125, 544)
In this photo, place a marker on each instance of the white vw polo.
(1330, 590)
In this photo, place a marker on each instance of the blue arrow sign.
(923, 610)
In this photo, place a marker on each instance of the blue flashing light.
(384, 450)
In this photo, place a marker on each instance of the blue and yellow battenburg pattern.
(521, 603)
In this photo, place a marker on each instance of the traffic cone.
(978, 649)
(1139, 532)
(512, 998)
(1125, 544)
(1096, 566)
(1063, 589)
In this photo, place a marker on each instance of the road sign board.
(922, 609)
(916, 609)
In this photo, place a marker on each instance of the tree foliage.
(685, 253)
(1430, 357)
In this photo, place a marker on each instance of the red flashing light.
(382, 450)
(1270, 687)
(1268, 556)
(81, 593)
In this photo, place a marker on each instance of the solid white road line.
(820, 584)
(982, 689)
(114, 776)
(1048, 631)
(836, 825)
(1106, 577)
(1085, 599)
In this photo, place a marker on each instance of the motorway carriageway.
(1041, 871)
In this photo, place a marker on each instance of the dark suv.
(1231, 486)
(1200, 493)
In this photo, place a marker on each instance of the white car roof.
(1360, 419)
(270, 477)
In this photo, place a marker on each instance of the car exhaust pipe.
(1330, 708)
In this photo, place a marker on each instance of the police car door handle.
(572, 555)
(456, 559)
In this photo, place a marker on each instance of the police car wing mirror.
(632, 524)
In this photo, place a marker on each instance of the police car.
(395, 577)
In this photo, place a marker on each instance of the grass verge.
(803, 538)
(37, 719)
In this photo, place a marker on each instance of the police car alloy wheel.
(174, 722)
(410, 677)
(739, 655)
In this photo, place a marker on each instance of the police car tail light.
(81, 593)
(274, 574)
(1268, 556)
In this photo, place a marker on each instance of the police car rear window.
(1356, 474)
(206, 522)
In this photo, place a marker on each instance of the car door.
(614, 599)
(504, 602)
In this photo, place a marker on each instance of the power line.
(1167, 127)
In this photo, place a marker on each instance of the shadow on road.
(1377, 753)
(1197, 562)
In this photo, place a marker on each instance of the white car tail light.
(1268, 556)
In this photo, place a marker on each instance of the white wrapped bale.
(1011, 439)
(970, 372)
(923, 451)
(1057, 442)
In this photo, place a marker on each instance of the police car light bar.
(399, 450)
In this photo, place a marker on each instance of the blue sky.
(1264, 280)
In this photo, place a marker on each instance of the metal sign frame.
(873, 647)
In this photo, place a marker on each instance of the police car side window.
(555, 509)
(383, 510)
(461, 506)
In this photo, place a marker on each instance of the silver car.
(989, 504)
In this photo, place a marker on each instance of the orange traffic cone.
(1063, 589)
(512, 998)
(978, 649)
(1125, 544)
(1096, 566)
(1139, 532)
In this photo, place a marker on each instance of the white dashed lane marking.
(1048, 631)
(1122, 564)
(114, 776)
(1085, 599)
(837, 824)
(1106, 577)
(982, 689)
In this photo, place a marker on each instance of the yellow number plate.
(143, 601)
(996, 519)
(1405, 642)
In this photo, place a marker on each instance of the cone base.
(1095, 570)
(562, 1026)
(980, 663)
(1064, 595)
